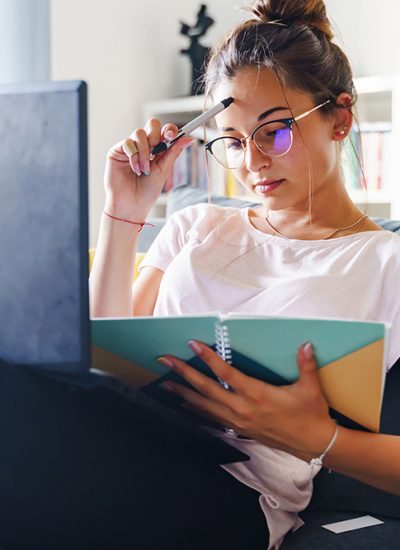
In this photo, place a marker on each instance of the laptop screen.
(44, 317)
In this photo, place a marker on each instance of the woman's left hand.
(293, 418)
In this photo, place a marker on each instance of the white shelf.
(364, 85)
(359, 196)
(188, 104)
(384, 126)
(178, 110)
(376, 84)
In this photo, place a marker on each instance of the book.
(350, 354)
(367, 153)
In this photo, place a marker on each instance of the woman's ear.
(343, 117)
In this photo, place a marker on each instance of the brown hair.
(294, 39)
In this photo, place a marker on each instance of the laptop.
(44, 302)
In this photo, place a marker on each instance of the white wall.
(24, 41)
(128, 52)
(368, 30)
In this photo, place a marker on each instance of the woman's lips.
(266, 186)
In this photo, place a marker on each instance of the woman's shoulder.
(196, 222)
(386, 237)
(204, 212)
(384, 246)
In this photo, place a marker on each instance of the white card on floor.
(352, 524)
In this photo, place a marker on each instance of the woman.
(303, 252)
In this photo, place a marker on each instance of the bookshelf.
(378, 111)
(378, 107)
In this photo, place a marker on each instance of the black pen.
(193, 124)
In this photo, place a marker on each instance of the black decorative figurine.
(198, 54)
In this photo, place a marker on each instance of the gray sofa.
(336, 497)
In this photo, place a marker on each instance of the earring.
(342, 132)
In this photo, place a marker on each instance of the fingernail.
(146, 167)
(167, 386)
(165, 361)
(308, 350)
(136, 169)
(170, 134)
(194, 346)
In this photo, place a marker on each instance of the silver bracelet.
(318, 461)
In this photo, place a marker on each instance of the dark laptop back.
(43, 225)
(44, 303)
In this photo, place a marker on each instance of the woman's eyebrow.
(270, 111)
(259, 118)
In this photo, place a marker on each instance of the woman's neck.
(329, 212)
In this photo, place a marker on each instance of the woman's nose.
(254, 158)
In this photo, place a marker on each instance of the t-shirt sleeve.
(179, 229)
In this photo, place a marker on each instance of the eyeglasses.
(273, 138)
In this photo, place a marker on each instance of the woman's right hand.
(133, 178)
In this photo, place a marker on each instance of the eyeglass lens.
(273, 139)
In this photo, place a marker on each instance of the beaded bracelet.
(142, 224)
(318, 461)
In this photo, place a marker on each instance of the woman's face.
(279, 182)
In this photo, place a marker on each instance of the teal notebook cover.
(263, 347)
(274, 342)
(271, 342)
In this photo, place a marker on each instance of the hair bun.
(311, 13)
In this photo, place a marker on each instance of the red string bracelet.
(142, 224)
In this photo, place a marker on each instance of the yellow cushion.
(138, 261)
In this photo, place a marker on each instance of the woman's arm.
(293, 418)
(110, 283)
(111, 290)
(370, 458)
(145, 291)
(132, 183)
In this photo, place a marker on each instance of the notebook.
(350, 354)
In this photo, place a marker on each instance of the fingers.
(166, 160)
(126, 151)
(142, 143)
(205, 385)
(136, 149)
(153, 131)
(229, 376)
(230, 408)
(241, 383)
(132, 152)
(148, 137)
(208, 408)
(169, 132)
(307, 365)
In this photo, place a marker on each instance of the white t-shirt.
(215, 260)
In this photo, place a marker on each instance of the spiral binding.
(223, 348)
(223, 342)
